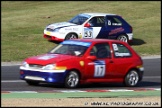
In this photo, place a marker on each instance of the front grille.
(35, 66)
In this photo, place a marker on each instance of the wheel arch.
(133, 68)
(72, 33)
(121, 35)
(73, 69)
(128, 82)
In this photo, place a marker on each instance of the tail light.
(131, 29)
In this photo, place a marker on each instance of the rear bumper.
(141, 73)
(130, 36)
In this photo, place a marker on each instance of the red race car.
(80, 61)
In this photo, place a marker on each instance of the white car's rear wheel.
(123, 38)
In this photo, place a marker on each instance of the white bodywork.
(64, 28)
(80, 30)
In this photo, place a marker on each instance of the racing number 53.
(99, 70)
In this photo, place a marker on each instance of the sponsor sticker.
(99, 69)
(117, 30)
(87, 44)
(81, 63)
(88, 32)
(46, 57)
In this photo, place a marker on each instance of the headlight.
(49, 67)
(56, 30)
(25, 64)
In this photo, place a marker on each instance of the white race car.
(90, 25)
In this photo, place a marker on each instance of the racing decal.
(109, 22)
(88, 33)
(115, 47)
(46, 57)
(71, 29)
(87, 44)
(122, 54)
(99, 70)
(80, 36)
(116, 24)
(117, 30)
(81, 63)
(61, 24)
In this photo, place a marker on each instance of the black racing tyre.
(131, 79)
(71, 36)
(72, 79)
(35, 83)
(123, 38)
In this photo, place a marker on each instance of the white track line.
(145, 77)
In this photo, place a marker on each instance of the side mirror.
(92, 58)
(87, 24)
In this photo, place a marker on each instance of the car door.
(114, 27)
(96, 28)
(122, 60)
(98, 68)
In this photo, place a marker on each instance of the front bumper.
(48, 77)
(52, 38)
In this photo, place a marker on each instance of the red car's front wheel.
(72, 79)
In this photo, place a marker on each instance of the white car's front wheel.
(71, 36)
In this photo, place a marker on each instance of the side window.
(97, 21)
(120, 50)
(101, 50)
(113, 21)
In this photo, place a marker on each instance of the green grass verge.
(82, 94)
(23, 23)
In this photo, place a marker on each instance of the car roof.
(97, 40)
(99, 14)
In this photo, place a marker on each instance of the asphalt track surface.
(10, 80)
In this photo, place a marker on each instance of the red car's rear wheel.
(132, 78)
